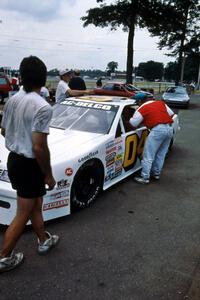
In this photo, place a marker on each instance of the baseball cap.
(63, 72)
(140, 96)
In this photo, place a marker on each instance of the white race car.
(92, 147)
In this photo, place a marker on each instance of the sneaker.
(156, 177)
(52, 241)
(10, 262)
(141, 180)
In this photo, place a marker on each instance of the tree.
(180, 34)
(53, 72)
(111, 66)
(191, 67)
(128, 14)
(151, 70)
(171, 70)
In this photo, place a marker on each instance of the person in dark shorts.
(25, 126)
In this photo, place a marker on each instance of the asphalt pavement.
(134, 243)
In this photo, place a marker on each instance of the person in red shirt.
(157, 117)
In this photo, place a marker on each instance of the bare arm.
(41, 151)
(79, 92)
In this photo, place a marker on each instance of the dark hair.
(77, 72)
(33, 73)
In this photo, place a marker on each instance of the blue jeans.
(155, 150)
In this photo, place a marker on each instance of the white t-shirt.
(44, 92)
(61, 91)
(23, 114)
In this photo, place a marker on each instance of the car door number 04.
(134, 148)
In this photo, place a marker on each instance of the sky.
(53, 31)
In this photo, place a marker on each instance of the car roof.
(176, 87)
(112, 100)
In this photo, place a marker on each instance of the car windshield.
(3, 81)
(131, 88)
(175, 90)
(84, 116)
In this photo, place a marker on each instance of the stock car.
(92, 148)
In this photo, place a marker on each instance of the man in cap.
(76, 82)
(157, 117)
(63, 90)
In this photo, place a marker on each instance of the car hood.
(62, 143)
(70, 143)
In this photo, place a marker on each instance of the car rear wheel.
(87, 185)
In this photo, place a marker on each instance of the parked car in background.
(5, 87)
(118, 89)
(176, 96)
(148, 91)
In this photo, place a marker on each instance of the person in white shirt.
(25, 126)
(63, 90)
(44, 93)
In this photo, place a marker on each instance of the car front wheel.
(87, 185)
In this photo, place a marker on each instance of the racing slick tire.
(87, 184)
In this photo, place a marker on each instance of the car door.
(124, 153)
(133, 141)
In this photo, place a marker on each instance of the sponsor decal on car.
(90, 105)
(113, 175)
(119, 159)
(110, 144)
(58, 195)
(114, 145)
(110, 169)
(111, 150)
(69, 171)
(56, 204)
(88, 156)
(62, 184)
(110, 159)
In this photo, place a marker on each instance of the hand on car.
(50, 182)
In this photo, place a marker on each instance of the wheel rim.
(86, 187)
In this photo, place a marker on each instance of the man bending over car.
(157, 117)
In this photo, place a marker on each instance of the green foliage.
(171, 71)
(128, 14)
(178, 28)
(111, 67)
(151, 70)
(192, 67)
(53, 72)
